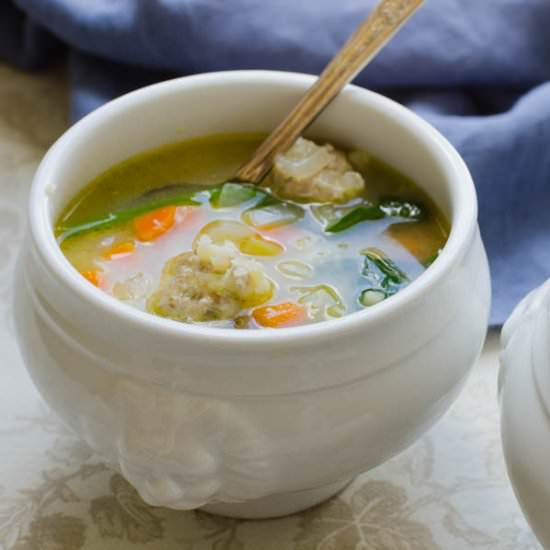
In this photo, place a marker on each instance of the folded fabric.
(476, 69)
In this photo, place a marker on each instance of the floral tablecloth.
(448, 491)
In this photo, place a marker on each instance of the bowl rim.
(463, 226)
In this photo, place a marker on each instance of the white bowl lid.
(530, 322)
(524, 386)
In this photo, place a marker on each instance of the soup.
(327, 233)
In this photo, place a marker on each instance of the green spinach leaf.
(358, 214)
(120, 216)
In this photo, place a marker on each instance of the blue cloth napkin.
(478, 70)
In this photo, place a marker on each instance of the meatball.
(213, 282)
(318, 173)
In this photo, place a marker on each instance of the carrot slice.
(93, 277)
(120, 249)
(152, 225)
(279, 315)
(421, 239)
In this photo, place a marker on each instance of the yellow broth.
(324, 272)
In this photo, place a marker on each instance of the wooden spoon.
(362, 46)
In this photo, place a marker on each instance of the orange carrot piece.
(279, 315)
(120, 249)
(93, 277)
(421, 239)
(152, 225)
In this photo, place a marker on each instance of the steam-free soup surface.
(328, 233)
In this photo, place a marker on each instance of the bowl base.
(278, 505)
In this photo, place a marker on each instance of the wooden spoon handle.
(361, 47)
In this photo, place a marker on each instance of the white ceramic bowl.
(249, 423)
(524, 388)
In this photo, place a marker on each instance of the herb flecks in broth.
(326, 234)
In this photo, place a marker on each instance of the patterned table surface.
(448, 491)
